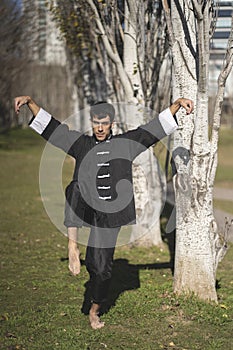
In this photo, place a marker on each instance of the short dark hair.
(102, 109)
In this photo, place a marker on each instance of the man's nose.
(100, 127)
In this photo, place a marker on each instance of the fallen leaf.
(171, 343)
(10, 335)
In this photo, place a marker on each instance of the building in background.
(47, 45)
(218, 48)
(47, 78)
(219, 41)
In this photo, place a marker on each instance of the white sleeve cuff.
(167, 121)
(41, 121)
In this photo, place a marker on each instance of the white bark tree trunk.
(198, 244)
(146, 176)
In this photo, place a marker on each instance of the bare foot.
(94, 318)
(95, 321)
(74, 261)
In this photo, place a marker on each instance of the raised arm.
(50, 128)
(160, 126)
(26, 100)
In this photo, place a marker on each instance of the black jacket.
(101, 192)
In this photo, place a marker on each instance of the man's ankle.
(94, 308)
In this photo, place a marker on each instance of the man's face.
(101, 127)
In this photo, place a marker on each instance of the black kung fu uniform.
(100, 195)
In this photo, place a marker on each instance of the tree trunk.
(146, 176)
(149, 183)
(195, 250)
(197, 235)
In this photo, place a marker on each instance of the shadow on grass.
(125, 276)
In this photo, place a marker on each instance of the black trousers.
(99, 261)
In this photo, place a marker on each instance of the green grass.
(40, 301)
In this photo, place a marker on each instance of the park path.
(220, 216)
(223, 193)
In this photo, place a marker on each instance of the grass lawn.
(40, 301)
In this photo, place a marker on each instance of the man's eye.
(101, 123)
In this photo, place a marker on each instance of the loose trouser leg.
(99, 261)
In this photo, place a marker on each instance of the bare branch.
(169, 21)
(119, 25)
(114, 56)
(218, 104)
(198, 10)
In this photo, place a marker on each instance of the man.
(100, 195)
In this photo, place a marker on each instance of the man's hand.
(26, 100)
(20, 101)
(186, 103)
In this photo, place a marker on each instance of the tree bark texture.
(199, 244)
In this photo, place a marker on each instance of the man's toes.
(75, 270)
(97, 324)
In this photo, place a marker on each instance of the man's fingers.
(19, 102)
(74, 270)
(191, 107)
(188, 105)
(16, 105)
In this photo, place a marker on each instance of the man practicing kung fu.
(100, 195)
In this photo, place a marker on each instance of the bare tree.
(119, 47)
(199, 243)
